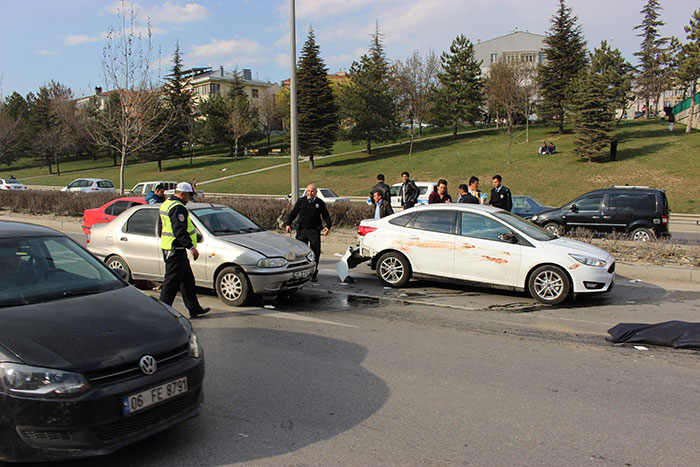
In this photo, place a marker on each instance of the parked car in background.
(484, 246)
(11, 184)
(90, 185)
(109, 211)
(144, 187)
(326, 194)
(425, 189)
(640, 211)
(88, 364)
(527, 206)
(238, 258)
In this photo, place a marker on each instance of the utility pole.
(293, 102)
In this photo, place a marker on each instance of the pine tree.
(367, 102)
(592, 117)
(459, 96)
(316, 108)
(688, 58)
(179, 98)
(565, 54)
(616, 72)
(652, 56)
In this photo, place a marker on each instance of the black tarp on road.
(677, 334)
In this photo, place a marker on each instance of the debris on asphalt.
(635, 280)
(269, 307)
(243, 434)
(640, 347)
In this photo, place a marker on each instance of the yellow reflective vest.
(167, 236)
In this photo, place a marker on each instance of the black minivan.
(640, 211)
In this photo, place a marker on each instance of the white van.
(425, 189)
(142, 189)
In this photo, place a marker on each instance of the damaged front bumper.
(352, 257)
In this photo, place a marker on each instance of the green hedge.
(269, 213)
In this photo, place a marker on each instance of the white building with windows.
(520, 46)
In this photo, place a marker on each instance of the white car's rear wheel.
(232, 286)
(549, 284)
(393, 269)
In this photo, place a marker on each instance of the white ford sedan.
(484, 246)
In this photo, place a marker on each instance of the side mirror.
(199, 237)
(508, 238)
(573, 208)
(121, 273)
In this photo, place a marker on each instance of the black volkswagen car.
(88, 364)
(640, 211)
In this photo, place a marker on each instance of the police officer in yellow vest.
(178, 236)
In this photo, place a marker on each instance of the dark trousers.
(311, 237)
(178, 276)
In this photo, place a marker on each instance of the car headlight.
(194, 346)
(588, 261)
(535, 217)
(272, 263)
(311, 257)
(42, 382)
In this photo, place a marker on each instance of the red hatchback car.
(109, 211)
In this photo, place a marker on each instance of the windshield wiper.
(252, 229)
(78, 293)
(226, 231)
(5, 303)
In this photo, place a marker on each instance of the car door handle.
(607, 217)
(595, 217)
(124, 239)
(414, 237)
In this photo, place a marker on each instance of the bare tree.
(126, 62)
(270, 114)
(413, 80)
(504, 93)
(10, 136)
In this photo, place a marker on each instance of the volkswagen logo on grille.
(148, 364)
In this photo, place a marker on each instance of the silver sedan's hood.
(270, 244)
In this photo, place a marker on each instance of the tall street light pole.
(293, 102)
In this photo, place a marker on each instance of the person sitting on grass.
(551, 149)
(543, 149)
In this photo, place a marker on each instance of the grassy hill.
(648, 154)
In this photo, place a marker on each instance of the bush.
(268, 213)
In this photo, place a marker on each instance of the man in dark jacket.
(409, 192)
(382, 208)
(500, 195)
(157, 195)
(381, 186)
(473, 194)
(311, 211)
(440, 194)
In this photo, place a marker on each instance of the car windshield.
(39, 269)
(225, 221)
(328, 193)
(12, 181)
(525, 226)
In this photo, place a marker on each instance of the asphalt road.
(434, 375)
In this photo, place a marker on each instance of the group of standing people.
(409, 192)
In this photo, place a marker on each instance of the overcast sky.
(63, 40)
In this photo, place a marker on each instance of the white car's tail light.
(364, 230)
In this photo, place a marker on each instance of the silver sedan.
(237, 257)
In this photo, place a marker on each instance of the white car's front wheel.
(549, 284)
(393, 269)
(232, 286)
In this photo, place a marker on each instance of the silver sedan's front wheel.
(549, 284)
(393, 269)
(117, 262)
(232, 286)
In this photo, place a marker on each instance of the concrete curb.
(334, 248)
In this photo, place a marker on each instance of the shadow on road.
(267, 393)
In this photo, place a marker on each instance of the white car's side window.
(478, 226)
(435, 221)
